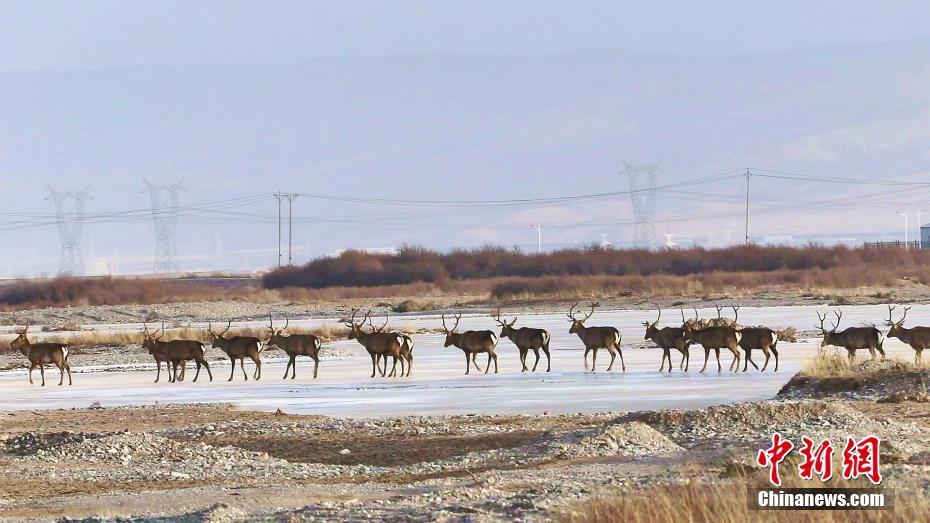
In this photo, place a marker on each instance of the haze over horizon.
(420, 102)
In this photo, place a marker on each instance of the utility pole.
(290, 197)
(920, 236)
(538, 238)
(69, 214)
(748, 176)
(165, 216)
(904, 214)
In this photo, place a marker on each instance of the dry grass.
(835, 364)
(727, 503)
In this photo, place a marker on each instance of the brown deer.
(406, 347)
(852, 339)
(595, 338)
(42, 354)
(757, 338)
(238, 348)
(668, 338)
(917, 337)
(472, 343)
(174, 353)
(294, 345)
(714, 338)
(526, 339)
(378, 344)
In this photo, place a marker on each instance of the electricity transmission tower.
(165, 216)
(69, 213)
(643, 196)
(290, 197)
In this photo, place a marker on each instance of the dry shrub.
(727, 503)
(70, 291)
(838, 266)
(412, 306)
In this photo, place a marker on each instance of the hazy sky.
(69, 34)
(439, 100)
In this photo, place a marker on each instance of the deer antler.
(907, 308)
(735, 312)
(373, 328)
(444, 327)
(458, 317)
(659, 317)
(589, 314)
(287, 321)
(571, 311)
(839, 318)
(497, 318)
(890, 321)
(513, 322)
(822, 319)
(683, 320)
(719, 309)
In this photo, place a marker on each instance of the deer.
(715, 337)
(668, 338)
(851, 339)
(174, 353)
(238, 348)
(917, 337)
(472, 343)
(406, 348)
(378, 343)
(42, 354)
(757, 338)
(294, 345)
(526, 339)
(595, 338)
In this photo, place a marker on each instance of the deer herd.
(712, 334)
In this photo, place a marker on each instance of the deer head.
(506, 328)
(21, 341)
(218, 338)
(450, 333)
(828, 335)
(355, 329)
(897, 327)
(578, 325)
(652, 328)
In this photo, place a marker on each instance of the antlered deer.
(42, 354)
(595, 338)
(294, 345)
(526, 339)
(239, 348)
(852, 339)
(716, 338)
(668, 338)
(472, 343)
(174, 353)
(406, 348)
(757, 338)
(378, 344)
(917, 337)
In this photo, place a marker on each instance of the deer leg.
(851, 356)
(258, 366)
(206, 364)
(749, 359)
(197, 374)
(158, 370)
(467, 363)
(719, 367)
(409, 363)
(232, 370)
(523, 353)
(536, 352)
(474, 360)
(706, 357)
(42, 372)
(31, 367)
(545, 349)
(767, 352)
(287, 368)
(403, 366)
(494, 355)
(872, 352)
(68, 368)
(593, 359)
(488, 367)
(774, 350)
(61, 370)
(183, 365)
(393, 368)
(623, 363)
(662, 366)
(293, 367)
(316, 365)
(613, 357)
(374, 363)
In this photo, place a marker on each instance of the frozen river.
(438, 384)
